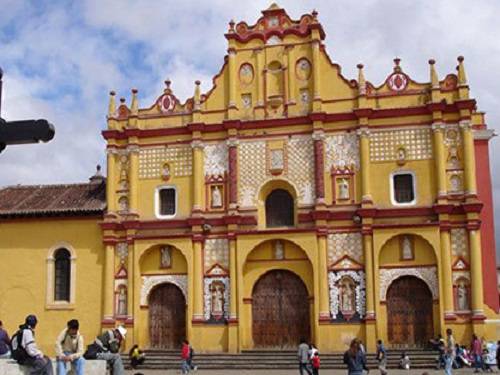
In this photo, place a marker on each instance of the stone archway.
(167, 317)
(409, 312)
(280, 310)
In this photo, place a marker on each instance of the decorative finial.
(122, 100)
(112, 104)
(168, 82)
(397, 67)
(97, 178)
(361, 80)
(433, 73)
(315, 14)
(197, 96)
(134, 106)
(462, 78)
(231, 26)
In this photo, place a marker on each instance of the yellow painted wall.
(24, 248)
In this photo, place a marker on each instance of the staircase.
(271, 359)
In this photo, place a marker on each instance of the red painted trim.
(488, 248)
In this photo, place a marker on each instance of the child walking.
(315, 363)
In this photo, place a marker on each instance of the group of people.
(308, 357)
(69, 348)
(480, 355)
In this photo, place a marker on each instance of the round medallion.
(246, 74)
(303, 69)
(397, 81)
(167, 103)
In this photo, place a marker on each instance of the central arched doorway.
(167, 317)
(409, 312)
(280, 310)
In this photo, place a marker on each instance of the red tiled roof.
(53, 200)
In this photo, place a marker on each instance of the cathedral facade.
(286, 202)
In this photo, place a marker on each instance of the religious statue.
(123, 204)
(217, 298)
(344, 189)
(121, 309)
(347, 296)
(455, 183)
(165, 172)
(304, 96)
(407, 248)
(277, 159)
(453, 158)
(279, 252)
(166, 257)
(216, 197)
(462, 297)
(401, 156)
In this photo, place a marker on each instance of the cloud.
(62, 58)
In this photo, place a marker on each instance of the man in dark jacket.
(108, 344)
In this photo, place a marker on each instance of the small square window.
(166, 205)
(403, 188)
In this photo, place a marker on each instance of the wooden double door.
(280, 311)
(167, 317)
(409, 313)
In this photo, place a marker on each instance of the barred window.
(403, 188)
(279, 209)
(62, 277)
(166, 202)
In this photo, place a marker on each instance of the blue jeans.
(448, 362)
(185, 367)
(478, 362)
(77, 364)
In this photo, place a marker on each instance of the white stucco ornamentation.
(216, 159)
(207, 295)
(459, 242)
(426, 274)
(251, 171)
(216, 251)
(342, 150)
(333, 282)
(342, 244)
(301, 167)
(149, 282)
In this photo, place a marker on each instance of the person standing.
(449, 351)
(4, 342)
(381, 358)
(25, 350)
(185, 355)
(315, 363)
(476, 349)
(303, 357)
(69, 349)
(355, 359)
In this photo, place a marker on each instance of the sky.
(61, 58)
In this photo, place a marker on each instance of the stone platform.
(10, 367)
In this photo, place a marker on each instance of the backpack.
(18, 353)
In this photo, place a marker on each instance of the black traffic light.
(24, 131)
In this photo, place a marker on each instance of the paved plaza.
(288, 372)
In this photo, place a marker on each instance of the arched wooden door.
(167, 317)
(280, 310)
(409, 313)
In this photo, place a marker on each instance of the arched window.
(279, 209)
(62, 275)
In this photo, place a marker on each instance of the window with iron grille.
(279, 209)
(62, 277)
(167, 204)
(403, 188)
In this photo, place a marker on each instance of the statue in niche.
(462, 296)
(121, 309)
(165, 257)
(304, 96)
(217, 298)
(277, 159)
(216, 197)
(453, 158)
(401, 156)
(347, 295)
(165, 172)
(279, 251)
(123, 204)
(455, 183)
(344, 188)
(123, 184)
(407, 248)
